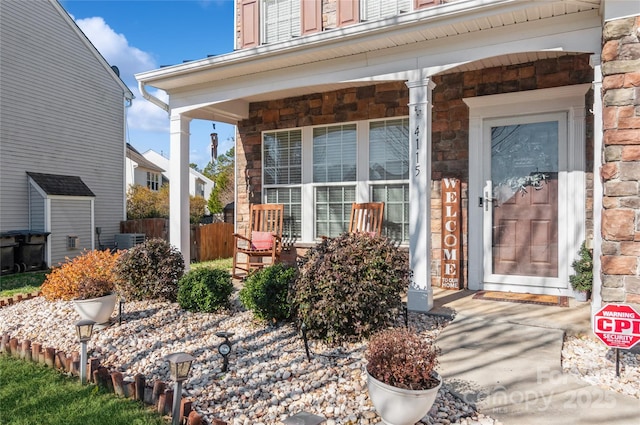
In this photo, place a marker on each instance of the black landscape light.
(225, 348)
(179, 367)
(84, 330)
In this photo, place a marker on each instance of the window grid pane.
(283, 157)
(396, 210)
(333, 209)
(389, 150)
(334, 153)
(291, 198)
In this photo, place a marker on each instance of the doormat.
(559, 301)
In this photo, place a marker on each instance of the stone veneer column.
(621, 170)
(420, 295)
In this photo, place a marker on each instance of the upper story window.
(199, 188)
(378, 9)
(153, 180)
(281, 20)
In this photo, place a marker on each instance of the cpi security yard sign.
(617, 325)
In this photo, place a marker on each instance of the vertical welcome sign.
(451, 229)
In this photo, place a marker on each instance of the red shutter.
(311, 11)
(249, 24)
(420, 4)
(348, 12)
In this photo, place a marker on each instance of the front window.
(153, 181)
(318, 172)
(281, 20)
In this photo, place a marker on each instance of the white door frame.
(568, 99)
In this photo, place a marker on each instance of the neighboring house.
(61, 131)
(199, 184)
(382, 100)
(141, 171)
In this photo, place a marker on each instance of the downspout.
(160, 104)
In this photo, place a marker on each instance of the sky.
(142, 35)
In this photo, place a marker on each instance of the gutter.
(160, 104)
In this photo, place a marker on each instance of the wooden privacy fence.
(151, 227)
(208, 242)
(213, 241)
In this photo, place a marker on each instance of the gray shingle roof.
(54, 184)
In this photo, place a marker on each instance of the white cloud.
(116, 49)
(144, 115)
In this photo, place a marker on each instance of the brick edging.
(4, 302)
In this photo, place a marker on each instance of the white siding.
(69, 217)
(62, 112)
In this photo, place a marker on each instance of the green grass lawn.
(222, 263)
(33, 394)
(21, 283)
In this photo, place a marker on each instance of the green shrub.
(150, 271)
(266, 292)
(582, 280)
(204, 289)
(350, 286)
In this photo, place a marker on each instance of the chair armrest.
(238, 236)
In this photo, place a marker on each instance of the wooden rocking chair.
(264, 241)
(367, 217)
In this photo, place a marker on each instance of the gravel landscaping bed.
(269, 376)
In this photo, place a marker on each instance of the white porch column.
(598, 190)
(179, 235)
(420, 296)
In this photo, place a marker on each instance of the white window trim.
(569, 99)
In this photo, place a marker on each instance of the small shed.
(64, 207)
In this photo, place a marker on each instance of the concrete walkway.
(505, 358)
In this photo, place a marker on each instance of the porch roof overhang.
(455, 36)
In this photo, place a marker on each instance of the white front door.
(526, 189)
(521, 220)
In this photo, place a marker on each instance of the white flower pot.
(97, 309)
(397, 406)
(581, 296)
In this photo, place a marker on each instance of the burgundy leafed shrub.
(350, 286)
(400, 358)
(150, 271)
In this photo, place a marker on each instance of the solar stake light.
(303, 328)
(84, 330)
(179, 367)
(225, 348)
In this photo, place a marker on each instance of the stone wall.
(450, 127)
(621, 170)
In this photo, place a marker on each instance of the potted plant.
(401, 379)
(89, 281)
(582, 280)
